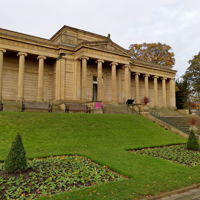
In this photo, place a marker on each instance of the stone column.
(84, 78)
(104, 89)
(164, 91)
(146, 85)
(60, 80)
(114, 83)
(22, 56)
(155, 91)
(2, 51)
(137, 88)
(41, 78)
(129, 84)
(99, 79)
(126, 78)
(119, 85)
(172, 93)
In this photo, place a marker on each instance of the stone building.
(76, 65)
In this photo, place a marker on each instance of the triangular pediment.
(107, 46)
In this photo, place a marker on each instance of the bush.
(16, 160)
(192, 143)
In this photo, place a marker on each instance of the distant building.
(76, 65)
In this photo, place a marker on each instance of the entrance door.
(94, 88)
(94, 92)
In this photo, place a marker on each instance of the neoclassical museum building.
(76, 65)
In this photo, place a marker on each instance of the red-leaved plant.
(193, 121)
(146, 100)
(193, 104)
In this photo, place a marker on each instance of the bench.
(77, 107)
(36, 106)
(1, 106)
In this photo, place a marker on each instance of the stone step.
(117, 109)
(182, 123)
(167, 112)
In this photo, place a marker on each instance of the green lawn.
(104, 139)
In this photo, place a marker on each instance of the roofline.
(75, 29)
(24, 34)
(166, 67)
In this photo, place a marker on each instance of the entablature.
(153, 72)
(95, 54)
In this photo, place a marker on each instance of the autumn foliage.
(146, 100)
(193, 104)
(193, 121)
(157, 53)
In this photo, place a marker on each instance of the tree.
(183, 91)
(192, 143)
(157, 53)
(193, 74)
(16, 160)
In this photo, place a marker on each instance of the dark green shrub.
(16, 160)
(192, 143)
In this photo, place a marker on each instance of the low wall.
(164, 125)
(183, 111)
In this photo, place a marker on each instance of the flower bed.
(48, 176)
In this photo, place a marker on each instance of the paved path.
(188, 195)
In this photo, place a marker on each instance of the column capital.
(146, 75)
(126, 66)
(172, 78)
(113, 63)
(42, 57)
(22, 54)
(155, 77)
(84, 58)
(3, 50)
(137, 74)
(163, 78)
(99, 61)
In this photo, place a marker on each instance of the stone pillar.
(2, 51)
(104, 89)
(60, 80)
(119, 85)
(172, 93)
(126, 78)
(84, 78)
(41, 78)
(114, 83)
(99, 79)
(22, 56)
(164, 91)
(137, 101)
(77, 80)
(155, 91)
(129, 84)
(146, 85)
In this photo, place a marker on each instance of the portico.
(38, 73)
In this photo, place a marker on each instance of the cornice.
(149, 65)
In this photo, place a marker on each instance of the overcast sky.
(173, 22)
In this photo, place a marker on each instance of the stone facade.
(90, 67)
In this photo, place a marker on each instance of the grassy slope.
(103, 139)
